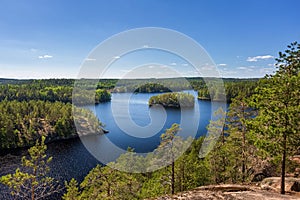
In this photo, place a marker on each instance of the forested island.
(173, 100)
(259, 139)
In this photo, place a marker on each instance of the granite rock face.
(229, 192)
(273, 183)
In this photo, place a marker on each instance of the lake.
(72, 159)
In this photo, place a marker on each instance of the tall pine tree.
(278, 102)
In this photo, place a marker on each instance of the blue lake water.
(132, 123)
(72, 159)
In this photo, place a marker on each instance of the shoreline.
(15, 150)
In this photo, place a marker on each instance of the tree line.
(211, 91)
(62, 93)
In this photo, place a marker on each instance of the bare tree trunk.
(173, 178)
(282, 189)
(108, 190)
(243, 146)
(32, 192)
(183, 179)
(244, 158)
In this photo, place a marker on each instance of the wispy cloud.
(185, 64)
(116, 57)
(222, 65)
(173, 64)
(46, 56)
(90, 59)
(256, 58)
(247, 68)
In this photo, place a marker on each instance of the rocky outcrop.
(296, 160)
(229, 192)
(273, 183)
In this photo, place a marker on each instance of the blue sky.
(51, 38)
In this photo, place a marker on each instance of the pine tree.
(218, 156)
(167, 143)
(239, 141)
(72, 190)
(278, 100)
(32, 182)
(108, 183)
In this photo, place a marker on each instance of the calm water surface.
(72, 159)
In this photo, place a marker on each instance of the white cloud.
(90, 59)
(145, 46)
(185, 64)
(173, 64)
(222, 64)
(248, 68)
(46, 56)
(256, 58)
(116, 57)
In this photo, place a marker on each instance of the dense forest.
(32, 108)
(259, 138)
(23, 122)
(39, 90)
(212, 92)
(173, 99)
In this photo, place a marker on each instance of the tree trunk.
(33, 180)
(173, 178)
(32, 193)
(282, 189)
(243, 158)
(108, 190)
(243, 146)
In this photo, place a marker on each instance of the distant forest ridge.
(208, 88)
(72, 80)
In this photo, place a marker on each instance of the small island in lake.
(173, 100)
